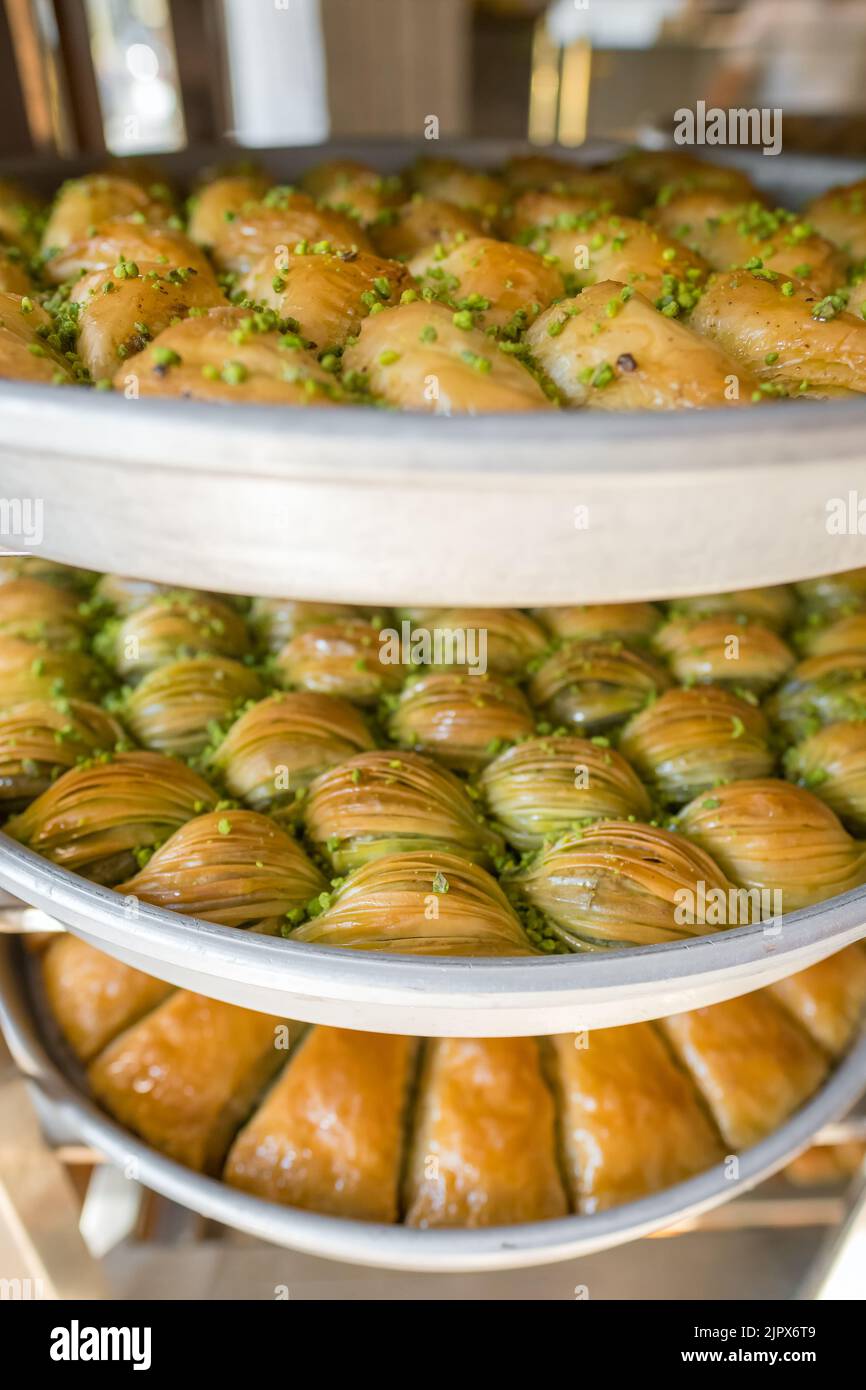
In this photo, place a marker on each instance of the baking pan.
(374, 507)
(399, 1247)
(466, 997)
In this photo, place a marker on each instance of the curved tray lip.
(387, 984)
(401, 1247)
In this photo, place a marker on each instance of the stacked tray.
(482, 1110)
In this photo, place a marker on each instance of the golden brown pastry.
(727, 232)
(630, 1121)
(593, 686)
(215, 205)
(119, 315)
(601, 622)
(828, 999)
(329, 1135)
(20, 216)
(457, 183)
(14, 275)
(483, 1147)
(462, 720)
(230, 355)
(784, 333)
(235, 868)
(272, 753)
(832, 763)
(770, 836)
(169, 627)
(278, 224)
(87, 202)
(495, 284)
(419, 903)
(26, 350)
(187, 1075)
(42, 738)
(431, 358)
(840, 215)
(354, 188)
(587, 248)
(610, 349)
(341, 658)
(657, 172)
(500, 640)
(753, 1065)
(328, 293)
(180, 708)
(121, 241)
(38, 611)
(421, 224)
(92, 996)
(601, 188)
(725, 649)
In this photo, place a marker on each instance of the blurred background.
(135, 76)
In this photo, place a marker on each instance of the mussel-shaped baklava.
(42, 612)
(233, 356)
(85, 203)
(777, 841)
(835, 593)
(387, 803)
(618, 883)
(43, 738)
(630, 1120)
(690, 740)
(236, 868)
(272, 753)
(610, 349)
(29, 349)
(592, 686)
(820, 690)
(846, 633)
(275, 621)
(36, 567)
(727, 232)
(350, 658)
(185, 1076)
(500, 640)
(120, 594)
(427, 357)
(179, 707)
(327, 293)
(753, 1065)
(171, 627)
(497, 285)
(35, 671)
(725, 649)
(544, 787)
(350, 1165)
(419, 903)
(463, 720)
(483, 1145)
(601, 622)
(98, 818)
(775, 606)
(791, 337)
(832, 764)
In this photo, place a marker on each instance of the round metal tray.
(379, 508)
(399, 1247)
(385, 993)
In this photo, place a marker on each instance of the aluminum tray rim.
(441, 996)
(401, 1247)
